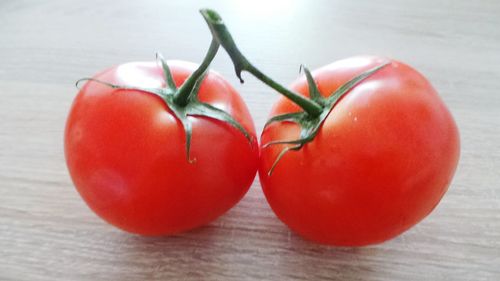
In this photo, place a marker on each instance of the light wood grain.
(47, 232)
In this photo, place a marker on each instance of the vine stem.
(221, 34)
(183, 94)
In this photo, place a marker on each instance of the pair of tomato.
(380, 162)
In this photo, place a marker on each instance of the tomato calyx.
(310, 125)
(315, 109)
(183, 101)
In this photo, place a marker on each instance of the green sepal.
(351, 83)
(313, 88)
(207, 110)
(169, 79)
(309, 125)
(155, 91)
(287, 117)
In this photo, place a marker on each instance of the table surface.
(48, 233)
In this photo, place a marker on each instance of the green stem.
(182, 96)
(221, 34)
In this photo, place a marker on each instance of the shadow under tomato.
(304, 259)
(247, 243)
(169, 256)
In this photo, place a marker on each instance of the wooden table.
(48, 233)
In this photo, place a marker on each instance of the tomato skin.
(126, 152)
(381, 162)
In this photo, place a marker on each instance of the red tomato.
(381, 162)
(126, 153)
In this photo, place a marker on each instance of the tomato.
(125, 151)
(381, 161)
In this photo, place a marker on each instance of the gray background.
(48, 233)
